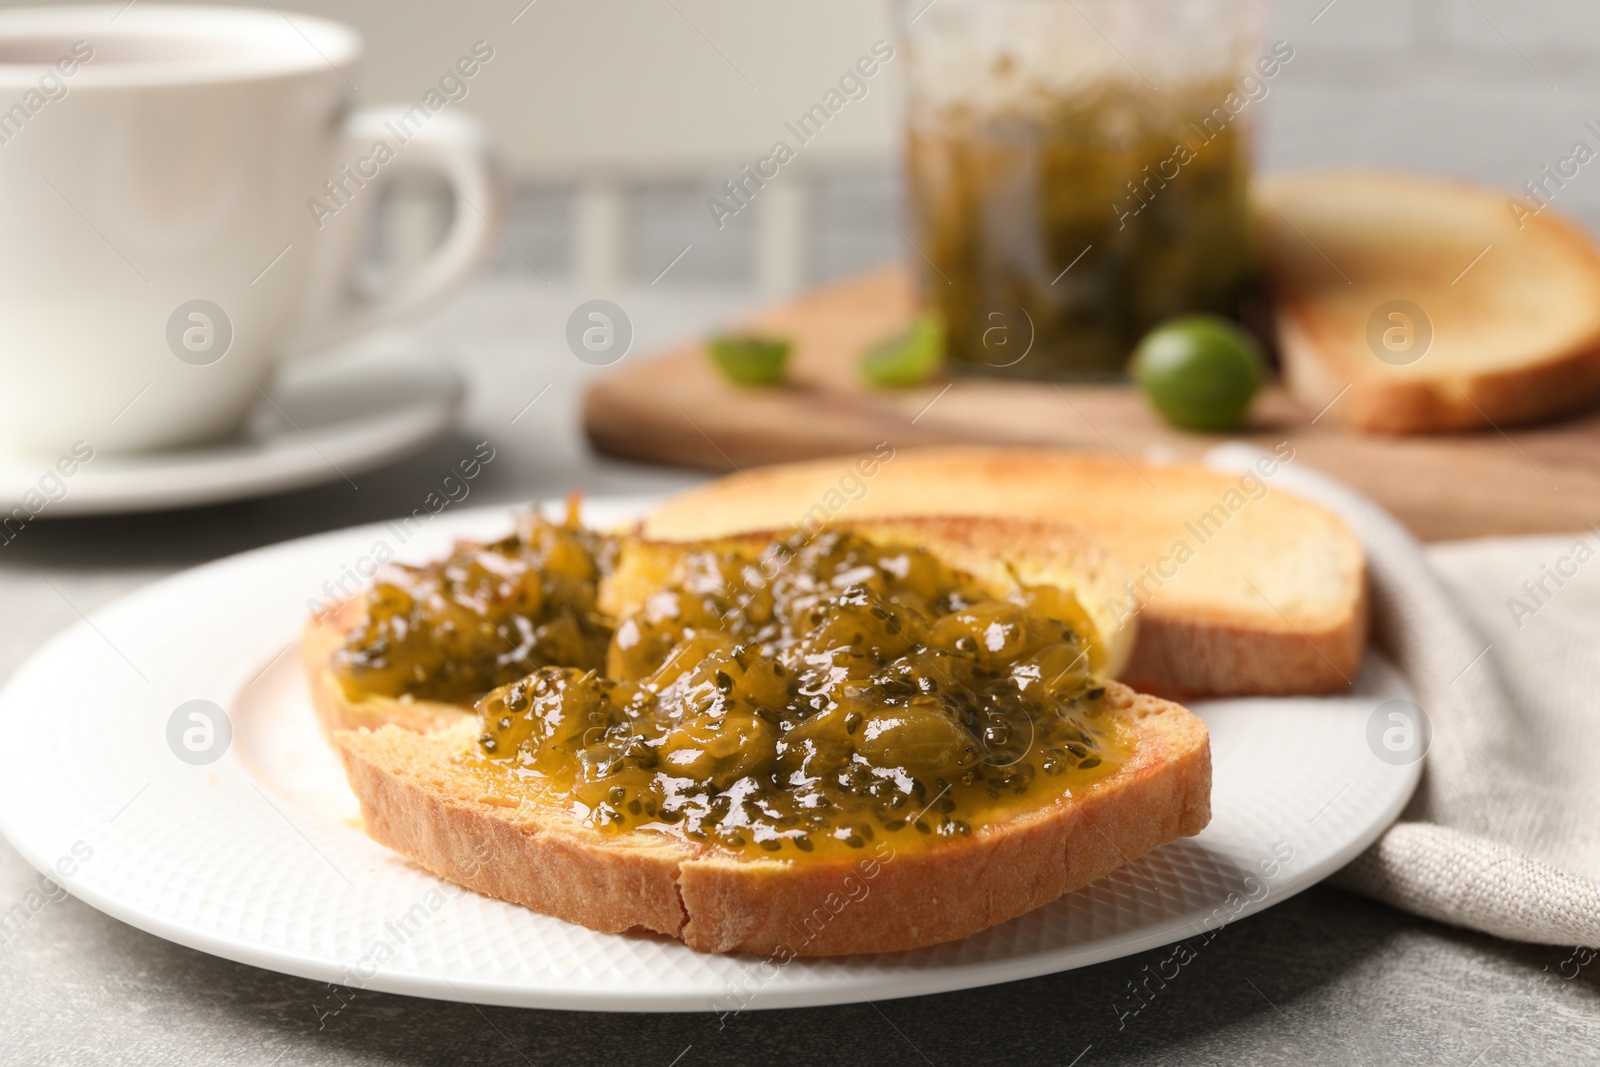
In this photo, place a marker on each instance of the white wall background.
(580, 85)
(1488, 89)
(620, 116)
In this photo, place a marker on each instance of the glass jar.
(1078, 171)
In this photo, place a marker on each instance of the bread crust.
(1191, 658)
(417, 800)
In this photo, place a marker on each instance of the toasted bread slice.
(1509, 293)
(1035, 553)
(425, 796)
(418, 800)
(1270, 597)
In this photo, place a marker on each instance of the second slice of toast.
(1240, 589)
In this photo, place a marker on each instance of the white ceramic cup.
(169, 230)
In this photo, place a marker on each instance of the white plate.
(255, 857)
(329, 417)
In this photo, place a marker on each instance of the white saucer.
(330, 418)
(254, 852)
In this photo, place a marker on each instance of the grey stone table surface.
(1324, 977)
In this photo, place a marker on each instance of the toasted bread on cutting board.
(1409, 304)
(421, 796)
(1267, 594)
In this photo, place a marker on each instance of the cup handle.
(461, 150)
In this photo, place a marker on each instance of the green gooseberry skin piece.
(1200, 372)
(750, 360)
(908, 358)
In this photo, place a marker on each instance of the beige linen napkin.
(1500, 639)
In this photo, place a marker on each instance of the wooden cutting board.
(675, 408)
